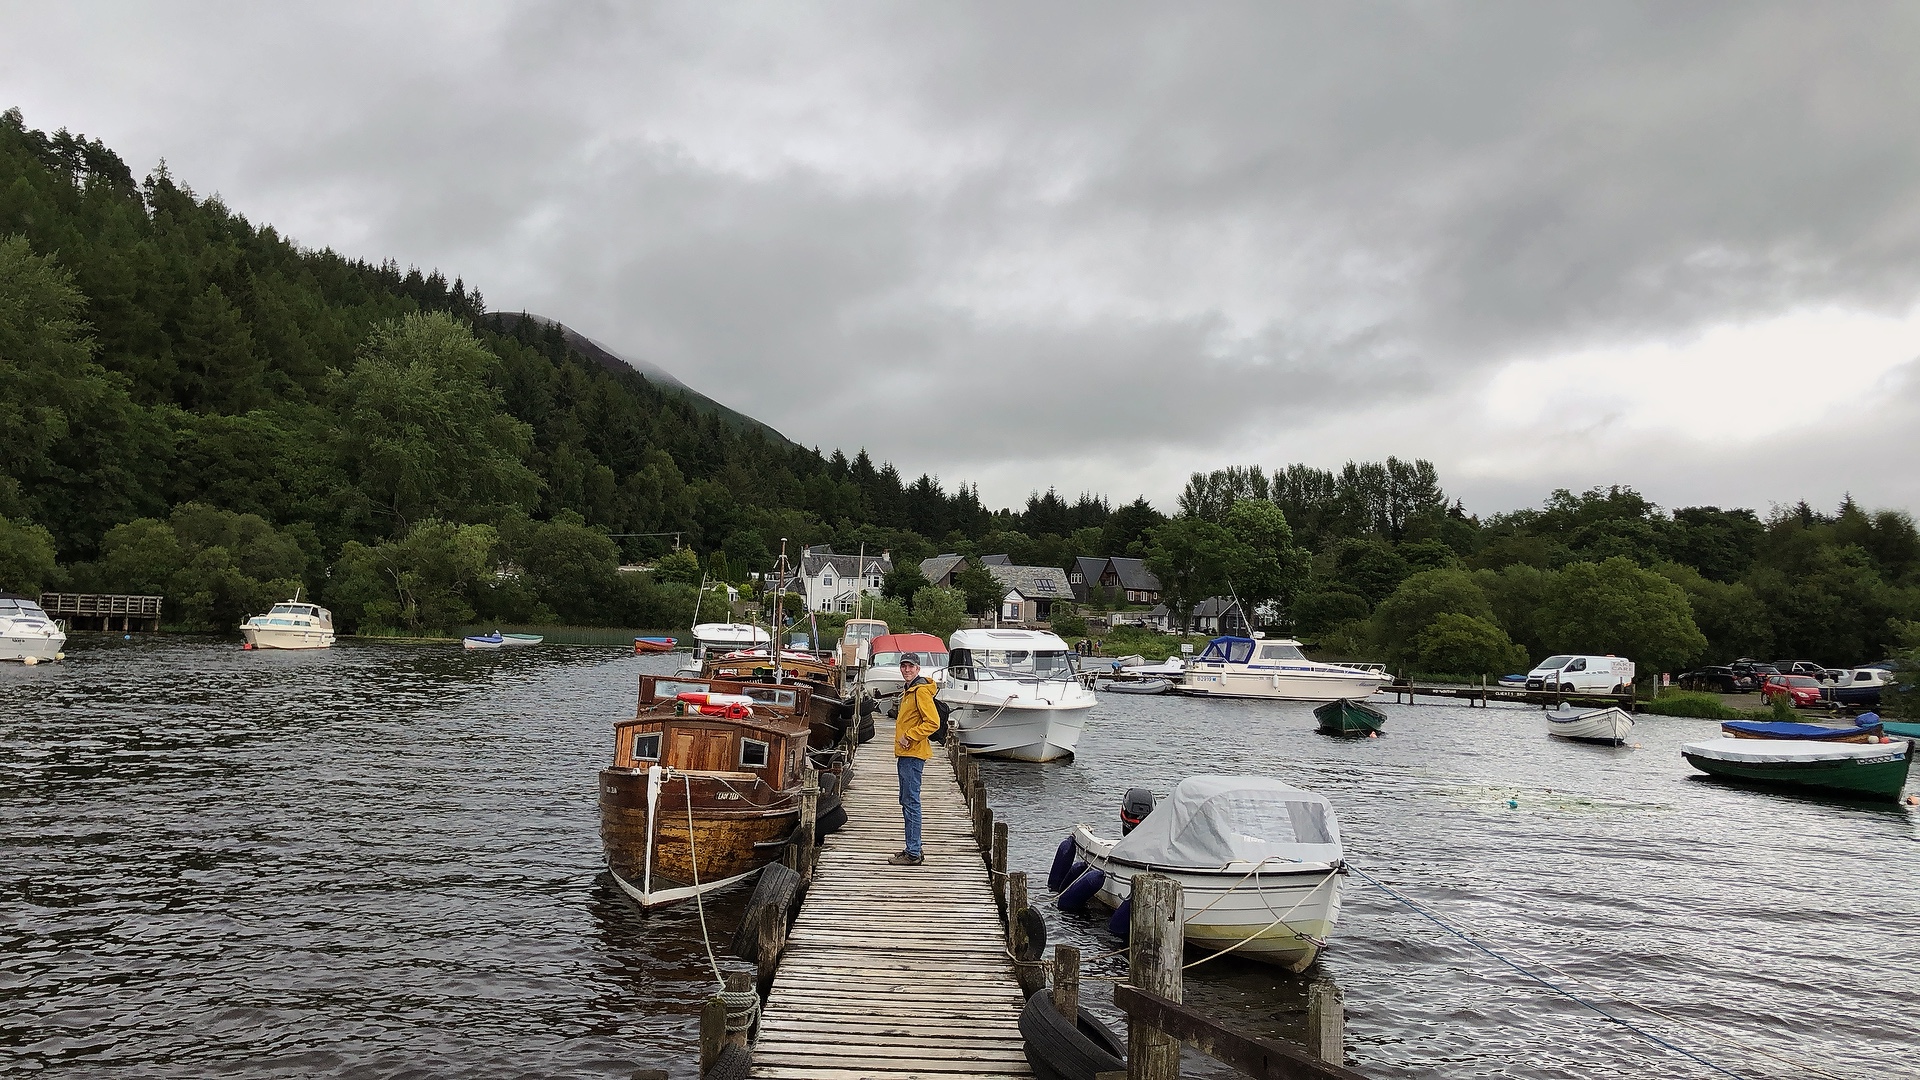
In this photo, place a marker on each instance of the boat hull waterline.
(1863, 770)
(1349, 718)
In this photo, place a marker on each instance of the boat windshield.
(20, 609)
(856, 632)
(1227, 650)
(984, 664)
(1554, 663)
(929, 661)
(1281, 652)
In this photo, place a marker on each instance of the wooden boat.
(484, 641)
(704, 788)
(1258, 862)
(1117, 685)
(1870, 770)
(1904, 731)
(1349, 717)
(1610, 725)
(653, 644)
(828, 708)
(1862, 730)
(520, 641)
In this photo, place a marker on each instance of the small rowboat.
(1870, 770)
(520, 641)
(653, 644)
(486, 641)
(1349, 717)
(1133, 686)
(1610, 725)
(1864, 730)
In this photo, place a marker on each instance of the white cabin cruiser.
(1273, 668)
(1014, 694)
(882, 675)
(1258, 862)
(730, 635)
(26, 631)
(294, 624)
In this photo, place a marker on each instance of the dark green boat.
(1349, 717)
(1864, 770)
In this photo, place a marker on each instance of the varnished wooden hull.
(729, 837)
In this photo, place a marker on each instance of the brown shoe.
(906, 859)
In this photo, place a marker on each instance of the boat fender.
(1034, 928)
(1120, 924)
(772, 899)
(832, 819)
(1056, 1046)
(1063, 860)
(1075, 896)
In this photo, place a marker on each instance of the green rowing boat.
(1349, 717)
(1872, 770)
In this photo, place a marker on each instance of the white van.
(1582, 674)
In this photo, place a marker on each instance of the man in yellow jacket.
(917, 719)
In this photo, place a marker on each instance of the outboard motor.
(1134, 808)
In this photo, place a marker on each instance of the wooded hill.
(192, 405)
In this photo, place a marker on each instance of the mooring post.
(773, 938)
(1066, 982)
(713, 1031)
(739, 982)
(1327, 1023)
(1016, 899)
(809, 818)
(1157, 940)
(998, 863)
(983, 833)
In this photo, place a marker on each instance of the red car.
(1802, 690)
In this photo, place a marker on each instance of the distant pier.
(103, 611)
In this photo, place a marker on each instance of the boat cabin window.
(1227, 651)
(646, 746)
(1016, 663)
(753, 754)
(959, 663)
(1274, 822)
(1281, 652)
(773, 695)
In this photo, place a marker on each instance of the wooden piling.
(1066, 981)
(713, 1031)
(773, 938)
(1326, 1023)
(1016, 888)
(997, 862)
(809, 818)
(739, 982)
(1157, 940)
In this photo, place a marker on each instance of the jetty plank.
(895, 973)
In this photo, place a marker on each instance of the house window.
(873, 581)
(826, 579)
(646, 747)
(753, 754)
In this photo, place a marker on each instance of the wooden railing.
(116, 604)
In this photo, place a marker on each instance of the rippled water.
(383, 861)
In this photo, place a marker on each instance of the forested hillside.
(192, 405)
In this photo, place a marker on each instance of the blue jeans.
(911, 769)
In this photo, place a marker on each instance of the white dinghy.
(1610, 725)
(1258, 862)
(1015, 694)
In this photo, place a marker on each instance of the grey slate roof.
(1033, 582)
(937, 568)
(843, 565)
(996, 560)
(1133, 574)
(1090, 569)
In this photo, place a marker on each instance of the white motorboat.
(1014, 694)
(1610, 725)
(860, 633)
(1258, 862)
(1276, 669)
(27, 633)
(484, 642)
(730, 635)
(291, 625)
(883, 673)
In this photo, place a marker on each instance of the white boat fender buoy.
(29, 660)
(63, 656)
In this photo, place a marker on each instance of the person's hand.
(903, 742)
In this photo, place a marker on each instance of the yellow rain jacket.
(917, 720)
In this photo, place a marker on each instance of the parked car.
(1802, 690)
(1582, 674)
(1718, 678)
(1801, 667)
(1754, 672)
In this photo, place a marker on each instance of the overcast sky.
(1097, 247)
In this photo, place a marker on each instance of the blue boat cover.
(1779, 729)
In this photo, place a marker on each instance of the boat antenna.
(779, 611)
(1245, 617)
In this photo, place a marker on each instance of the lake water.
(383, 861)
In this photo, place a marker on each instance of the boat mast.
(779, 610)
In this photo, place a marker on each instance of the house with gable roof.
(1031, 592)
(1113, 580)
(834, 582)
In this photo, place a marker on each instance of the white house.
(832, 582)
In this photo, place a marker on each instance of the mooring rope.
(743, 1006)
(1563, 991)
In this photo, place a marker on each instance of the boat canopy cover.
(1781, 729)
(905, 643)
(1227, 650)
(1211, 821)
(1787, 750)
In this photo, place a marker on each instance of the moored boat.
(1865, 728)
(1349, 717)
(1610, 725)
(1014, 694)
(27, 633)
(882, 676)
(483, 641)
(1869, 770)
(290, 625)
(1273, 668)
(1258, 861)
(704, 788)
(653, 644)
(520, 641)
(1124, 685)
(730, 635)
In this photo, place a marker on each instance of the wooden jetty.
(1479, 694)
(895, 972)
(103, 611)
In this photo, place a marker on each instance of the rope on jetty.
(743, 1007)
(1564, 992)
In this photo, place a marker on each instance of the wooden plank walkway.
(895, 973)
